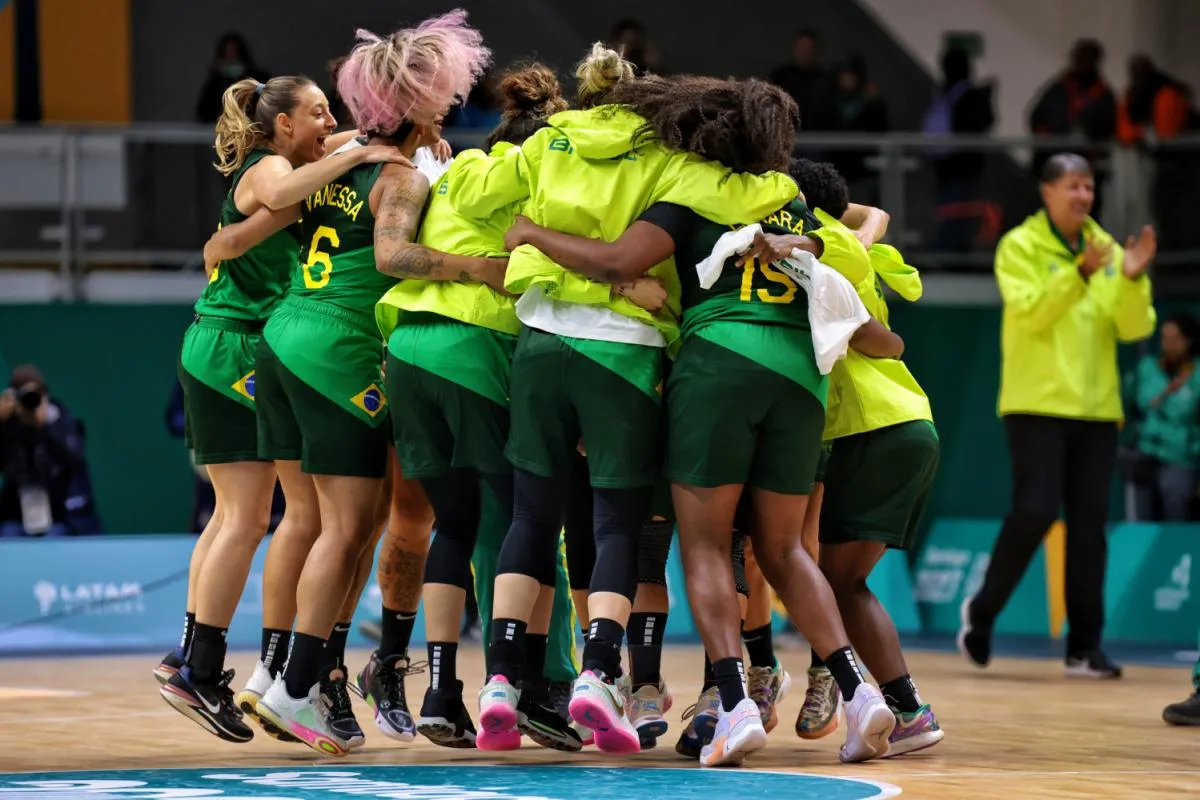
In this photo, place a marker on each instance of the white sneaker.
(498, 716)
(739, 733)
(646, 709)
(767, 688)
(302, 717)
(247, 700)
(869, 723)
(600, 706)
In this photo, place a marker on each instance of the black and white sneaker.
(560, 698)
(171, 663)
(381, 685)
(339, 713)
(210, 707)
(1091, 665)
(974, 640)
(546, 726)
(1185, 713)
(444, 719)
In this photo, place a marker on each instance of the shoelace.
(815, 700)
(391, 675)
(225, 693)
(339, 698)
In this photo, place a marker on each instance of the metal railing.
(147, 196)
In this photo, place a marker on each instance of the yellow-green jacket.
(1060, 332)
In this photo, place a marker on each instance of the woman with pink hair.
(320, 390)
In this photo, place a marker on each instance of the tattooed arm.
(401, 202)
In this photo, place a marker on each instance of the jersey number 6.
(318, 258)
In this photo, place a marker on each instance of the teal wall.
(115, 367)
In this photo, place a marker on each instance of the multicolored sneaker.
(822, 704)
(646, 708)
(247, 700)
(381, 685)
(339, 712)
(498, 715)
(444, 719)
(599, 705)
(303, 717)
(171, 663)
(915, 730)
(738, 733)
(767, 686)
(209, 706)
(869, 725)
(703, 714)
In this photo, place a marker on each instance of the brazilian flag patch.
(245, 385)
(370, 400)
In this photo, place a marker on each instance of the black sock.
(817, 662)
(902, 694)
(506, 651)
(207, 657)
(845, 671)
(710, 680)
(335, 648)
(759, 646)
(274, 650)
(731, 675)
(303, 664)
(602, 653)
(189, 630)
(397, 632)
(645, 637)
(443, 664)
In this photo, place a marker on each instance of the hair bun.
(531, 89)
(601, 70)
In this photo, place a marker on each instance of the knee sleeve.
(581, 556)
(456, 506)
(532, 541)
(738, 560)
(619, 514)
(653, 550)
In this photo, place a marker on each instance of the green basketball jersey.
(249, 287)
(337, 251)
(744, 297)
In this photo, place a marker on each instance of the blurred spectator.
(47, 489)
(628, 37)
(961, 107)
(1163, 400)
(231, 63)
(1157, 107)
(805, 79)
(855, 106)
(482, 108)
(1079, 101)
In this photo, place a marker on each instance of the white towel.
(835, 311)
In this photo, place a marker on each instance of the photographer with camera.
(46, 488)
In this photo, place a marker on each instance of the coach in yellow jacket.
(1070, 295)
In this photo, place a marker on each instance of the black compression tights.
(577, 524)
(457, 507)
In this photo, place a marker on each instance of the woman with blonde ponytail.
(271, 142)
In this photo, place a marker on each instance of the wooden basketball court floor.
(1018, 729)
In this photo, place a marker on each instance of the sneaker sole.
(199, 716)
(498, 728)
(1172, 718)
(443, 733)
(750, 742)
(652, 729)
(1088, 673)
(162, 673)
(610, 734)
(248, 703)
(821, 733)
(873, 732)
(323, 744)
(545, 737)
(922, 741)
(404, 736)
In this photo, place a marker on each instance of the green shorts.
(216, 369)
(733, 421)
(447, 384)
(298, 423)
(605, 393)
(823, 461)
(877, 483)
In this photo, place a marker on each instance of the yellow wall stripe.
(1056, 578)
(8, 67)
(85, 60)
